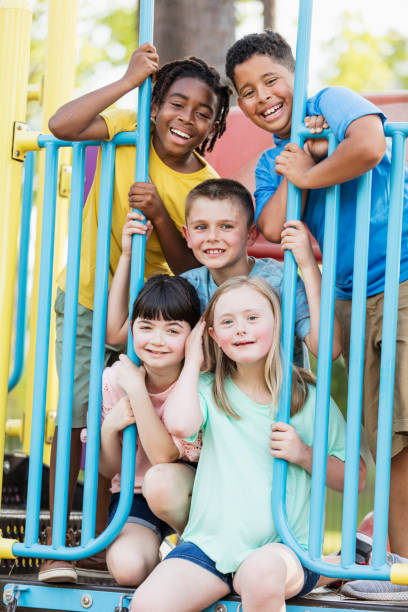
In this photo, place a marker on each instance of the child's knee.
(129, 570)
(162, 487)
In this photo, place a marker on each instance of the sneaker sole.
(93, 573)
(60, 575)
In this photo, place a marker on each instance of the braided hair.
(197, 69)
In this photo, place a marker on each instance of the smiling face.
(243, 325)
(217, 232)
(184, 118)
(159, 343)
(265, 90)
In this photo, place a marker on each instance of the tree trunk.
(269, 14)
(205, 28)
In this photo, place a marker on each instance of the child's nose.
(157, 337)
(263, 93)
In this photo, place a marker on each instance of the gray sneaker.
(377, 590)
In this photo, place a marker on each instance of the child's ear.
(253, 234)
(186, 235)
(154, 110)
(211, 333)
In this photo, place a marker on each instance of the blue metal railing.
(89, 545)
(312, 557)
(20, 323)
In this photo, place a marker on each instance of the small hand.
(144, 196)
(295, 238)
(134, 225)
(120, 417)
(316, 123)
(317, 148)
(128, 375)
(143, 63)
(295, 164)
(194, 344)
(285, 443)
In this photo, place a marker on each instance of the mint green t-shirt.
(231, 514)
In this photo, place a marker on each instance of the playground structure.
(15, 17)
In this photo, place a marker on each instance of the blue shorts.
(141, 514)
(190, 552)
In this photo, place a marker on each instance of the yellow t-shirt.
(172, 188)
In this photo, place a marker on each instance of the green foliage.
(364, 62)
(338, 389)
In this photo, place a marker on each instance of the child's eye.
(226, 322)
(176, 105)
(252, 317)
(270, 81)
(174, 332)
(227, 226)
(201, 226)
(248, 93)
(204, 116)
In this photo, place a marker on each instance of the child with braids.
(189, 109)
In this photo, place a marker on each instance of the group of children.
(208, 339)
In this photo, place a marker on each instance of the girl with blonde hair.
(230, 542)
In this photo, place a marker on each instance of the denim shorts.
(141, 514)
(190, 552)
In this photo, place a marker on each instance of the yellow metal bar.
(15, 25)
(58, 88)
(14, 428)
(6, 548)
(35, 92)
(399, 573)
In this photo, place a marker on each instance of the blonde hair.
(222, 366)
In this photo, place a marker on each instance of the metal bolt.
(19, 127)
(220, 608)
(17, 153)
(86, 601)
(8, 595)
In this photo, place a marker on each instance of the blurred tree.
(205, 28)
(269, 11)
(359, 60)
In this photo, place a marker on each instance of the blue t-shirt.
(340, 106)
(272, 271)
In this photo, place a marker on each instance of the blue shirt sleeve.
(341, 106)
(266, 179)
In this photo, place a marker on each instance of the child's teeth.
(182, 134)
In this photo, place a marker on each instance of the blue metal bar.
(41, 345)
(387, 371)
(290, 268)
(324, 363)
(142, 164)
(98, 341)
(29, 165)
(109, 534)
(68, 347)
(356, 369)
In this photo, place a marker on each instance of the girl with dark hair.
(189, 109)
(164, 313)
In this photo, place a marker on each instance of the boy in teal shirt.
(261, 67)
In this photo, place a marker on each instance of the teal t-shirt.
(231, 514)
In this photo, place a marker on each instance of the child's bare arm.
(118, 298)
(361, 150)
(287, 444)
(296, 239)
(110, 457)
(180, 258)
(154, 437)
(183, 415)
(80, 120)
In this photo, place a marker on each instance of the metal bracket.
(23, 141)
(64, 188)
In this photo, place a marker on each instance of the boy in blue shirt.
(219, 228)
(261, 67)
